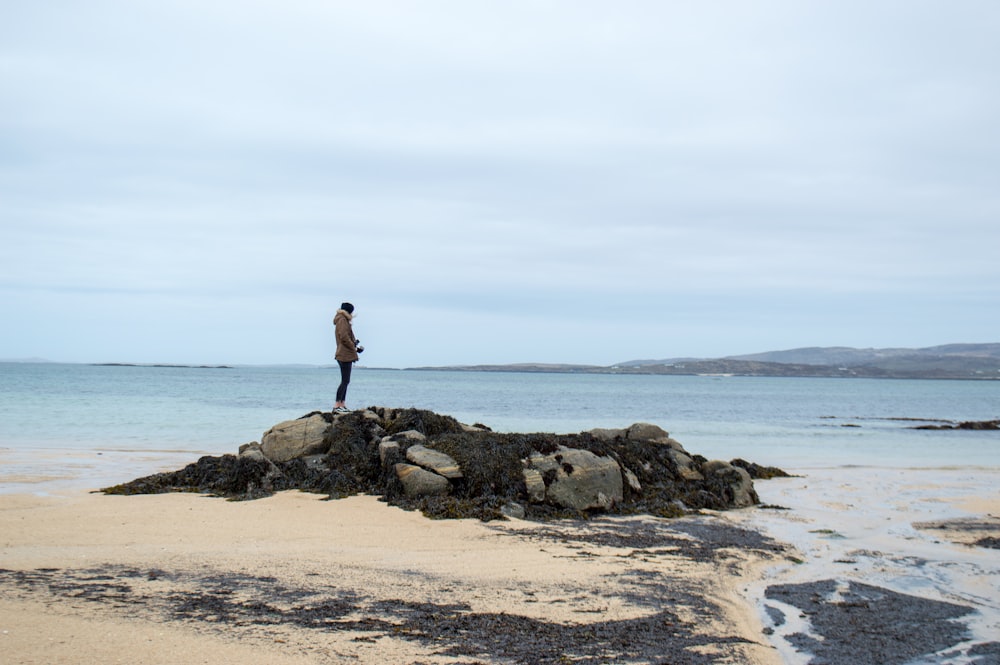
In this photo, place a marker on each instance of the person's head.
(347, 307)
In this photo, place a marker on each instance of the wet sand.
(894, 565)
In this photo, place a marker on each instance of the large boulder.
(421, 482)
(433, 460)
(647, 432)
(534, 483)
(737, 479)
(387, 450)
(686, 467)
(607, 433)
(295, 438)
(635, 432)
(579, 479)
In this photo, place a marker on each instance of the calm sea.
(790, 422)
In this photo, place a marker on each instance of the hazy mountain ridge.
(843, 355)
(948, 361)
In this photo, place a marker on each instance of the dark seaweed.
(237, 603)
(491, 464)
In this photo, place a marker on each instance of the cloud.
(724, 177)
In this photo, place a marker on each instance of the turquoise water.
(788, 422)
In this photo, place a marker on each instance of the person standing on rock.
(348, 349)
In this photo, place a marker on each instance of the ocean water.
(864, 478)
(130, 415)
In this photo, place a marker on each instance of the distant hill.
(949, 361)
(842, 355)
(522, 367)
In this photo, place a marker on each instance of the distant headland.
(979, 362)
(950, 361)
(162, 365)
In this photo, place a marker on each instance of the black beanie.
(347, 307)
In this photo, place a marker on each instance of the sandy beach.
(89, 578)
(838, 566)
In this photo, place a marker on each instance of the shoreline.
(906, 548)
(300, 579)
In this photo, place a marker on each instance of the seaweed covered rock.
(739, 486)
(434, 461)
(419, 482)
(576, 479)
(422, 460)
(246, 477)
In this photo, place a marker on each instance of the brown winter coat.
(347, 343)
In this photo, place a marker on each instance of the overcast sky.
(492, 182)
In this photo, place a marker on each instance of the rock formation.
(424, 460)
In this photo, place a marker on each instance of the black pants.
(345, 378)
